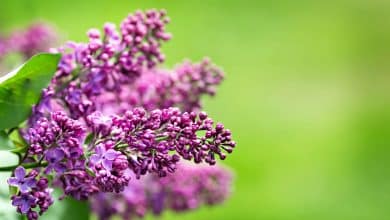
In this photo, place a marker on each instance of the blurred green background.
(307, 95)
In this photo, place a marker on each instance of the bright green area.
(307, 96)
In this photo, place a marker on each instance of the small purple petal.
(111, 154)
(100, 150)
(13, 181)
(60, 168)
(25, 206)
(49, 168)
(17, 201)
(95, 159)
(20, 173)
(54, 155)
(24, 202)
(107, 164)
(31, 182)
(24, 188)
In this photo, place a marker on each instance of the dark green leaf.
(88, 139)
(22, 88)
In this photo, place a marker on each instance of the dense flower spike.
(58, 143)
(188, 188)
(154, 136)
(138, 141)
(182, 87)
(112, 125)
(110, 60)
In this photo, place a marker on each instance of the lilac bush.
(115, 128)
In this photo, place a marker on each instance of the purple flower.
(110, 168)
(99, 123)
(21, 181)
(54, 157)
(105, 157)
(24, 202)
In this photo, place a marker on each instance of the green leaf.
(5, 142)
(22, 88)
(88, 139)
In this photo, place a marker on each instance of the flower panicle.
(182, 87)
(188, 188)
(136, 143)
(111, 117)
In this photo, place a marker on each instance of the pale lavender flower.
(24, 202)
(99, 123)
(104, 157)
(21, 180)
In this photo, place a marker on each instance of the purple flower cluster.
(188, 188)
(109, 60)
(110, 117)
(154, 142)
(57, 135)
(57, 143)
(136, 143)
(34, 196)
(193, 186)
(38, 37)
(109, 167)
(151, 143)
(182, 87)
(155, 136)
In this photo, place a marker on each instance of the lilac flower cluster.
(34, 196)
(188, 188)
(110, 117)
(56, 144)
(136, 143)
(109, 60)
(182, 87)
(154, 142)
(38, 37)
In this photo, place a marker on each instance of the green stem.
(26, 165)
